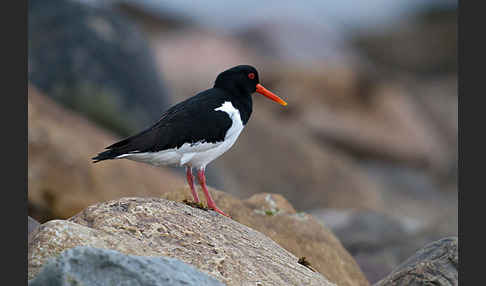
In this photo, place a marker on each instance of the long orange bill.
(261, 90)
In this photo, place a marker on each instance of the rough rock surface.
(435, 264)
(221, 247)
(62, 181)
(299, 233)
(84, 265)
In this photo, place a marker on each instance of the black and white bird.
(198, 130)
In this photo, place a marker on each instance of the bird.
(196, 131)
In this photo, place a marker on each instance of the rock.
(431, 42)
(99, 64)
(391, 127)
(375, 240)
(380, 242)
(436, 263)
(84, 265)
(218, 246)
(62, 181)
(439, 99)
(297, 232)
(151, 21)
(282, 39)
(413, 192)
(32, 225)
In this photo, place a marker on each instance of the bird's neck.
(245, 105)
(233, 88)
(240, 98)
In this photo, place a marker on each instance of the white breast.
(201, 159)
(197, 154)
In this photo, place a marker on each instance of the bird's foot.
(219, 211)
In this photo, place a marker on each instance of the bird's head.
(244, 81)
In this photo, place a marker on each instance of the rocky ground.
(132, 238)
(224, 249)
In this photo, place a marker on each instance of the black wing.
(190, 121)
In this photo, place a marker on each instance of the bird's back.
(191, 121)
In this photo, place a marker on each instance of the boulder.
(216, 245)
(32, 225)
(437, 263)
(297, 232)
(95, 61)
(84, 265)
(62, 181)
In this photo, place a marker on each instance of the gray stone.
(94, 61)
(32, 224)
(84, 265)
(436, 263)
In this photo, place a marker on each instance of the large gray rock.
(96, 62)
(435, 264)
(216, 245)
(86, 265)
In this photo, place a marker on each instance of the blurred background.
(367, 144)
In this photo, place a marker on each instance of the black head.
(243, 80)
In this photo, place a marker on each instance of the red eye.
(251, 75)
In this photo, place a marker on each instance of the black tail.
(128, 145)
(109, 154)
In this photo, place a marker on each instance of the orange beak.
(261, 90)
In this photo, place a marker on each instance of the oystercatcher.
(198, 130)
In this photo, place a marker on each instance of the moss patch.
(195, 205)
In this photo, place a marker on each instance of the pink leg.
(190, 181)
(202, 181)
